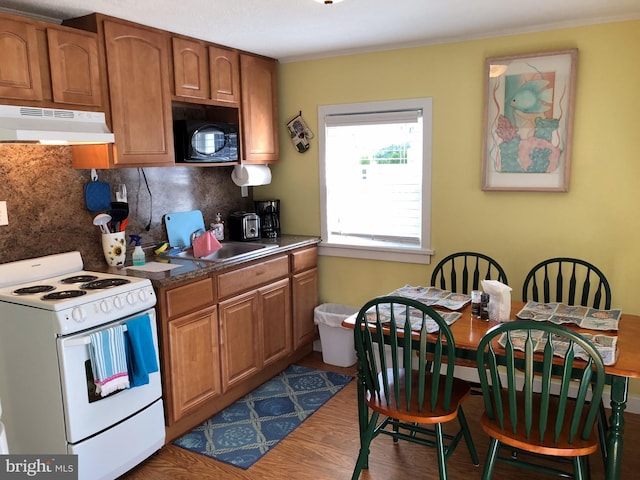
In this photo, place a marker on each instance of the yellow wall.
(596, 220)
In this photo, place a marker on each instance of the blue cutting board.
(180, 226)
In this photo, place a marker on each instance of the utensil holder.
(114, 246)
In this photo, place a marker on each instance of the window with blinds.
(375, 179)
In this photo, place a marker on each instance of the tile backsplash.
(47, 211)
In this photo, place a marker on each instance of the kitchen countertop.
(190, 269)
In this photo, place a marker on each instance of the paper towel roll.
(251, 175)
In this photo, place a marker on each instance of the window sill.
(403, 255)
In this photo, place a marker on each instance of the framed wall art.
(528, 121)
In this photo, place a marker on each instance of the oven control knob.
(78, 314)
(104, 306)
(131, 298)
(117, 302)
(142, 294)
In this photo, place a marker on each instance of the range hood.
(50, 126)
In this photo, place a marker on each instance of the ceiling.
(292, 30)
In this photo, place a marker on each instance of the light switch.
(4, 218)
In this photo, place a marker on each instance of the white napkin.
(499, 300)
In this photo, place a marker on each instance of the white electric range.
(48, 308)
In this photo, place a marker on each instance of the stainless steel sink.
(228, 251)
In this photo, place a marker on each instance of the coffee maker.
(269, 213)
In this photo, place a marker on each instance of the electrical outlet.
(244, 191)
(4, 218)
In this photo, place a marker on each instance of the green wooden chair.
(574, 282)
(531, 421)
(399, 379)
(462, 272)
(569, 281)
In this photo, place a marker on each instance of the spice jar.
(476, 303)
(484, 306)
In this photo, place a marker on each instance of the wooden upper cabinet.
(205, 73)
(75, 71)
(190, 68)
(224, 72)
(140, 95)
(259, 110)
(20, 76)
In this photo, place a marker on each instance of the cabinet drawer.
(246, 278)
(190, 297)
(304, 259)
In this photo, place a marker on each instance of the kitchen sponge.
(161, 247)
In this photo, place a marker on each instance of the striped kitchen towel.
(109, 360)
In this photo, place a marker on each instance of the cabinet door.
(190, 68)
(138, 71)
(276, 321)
(240, 334)
(195, 368)
(259, 109)
(75, 72)
(19, 65)
(305, 299)
(224, 71)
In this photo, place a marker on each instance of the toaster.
(244, 226)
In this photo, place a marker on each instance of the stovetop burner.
(104, 283)
(77, 298)
(33, 289)
(64, 294)
(79, 279)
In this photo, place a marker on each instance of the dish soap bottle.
(138, 253)
(217, 227)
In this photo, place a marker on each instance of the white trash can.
(336, 340)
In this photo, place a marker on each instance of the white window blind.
(375, 177)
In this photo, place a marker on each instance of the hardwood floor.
(326, 445)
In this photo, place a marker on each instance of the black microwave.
(202, 141)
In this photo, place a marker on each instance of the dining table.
(468, 331)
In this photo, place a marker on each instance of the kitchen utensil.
(180, 226)
(120, 206)
(124, 223)
(101, 220)
(117, 217)
(121, 193)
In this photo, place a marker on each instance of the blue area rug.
(243, 432)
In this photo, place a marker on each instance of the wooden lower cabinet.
(305, 300)
(255, 330)
(195, 361)
(304, 266)
(223, 335)
(275, 310)
(239, 353)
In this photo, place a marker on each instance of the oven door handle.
(86, 340)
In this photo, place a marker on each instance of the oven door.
(85, 412)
